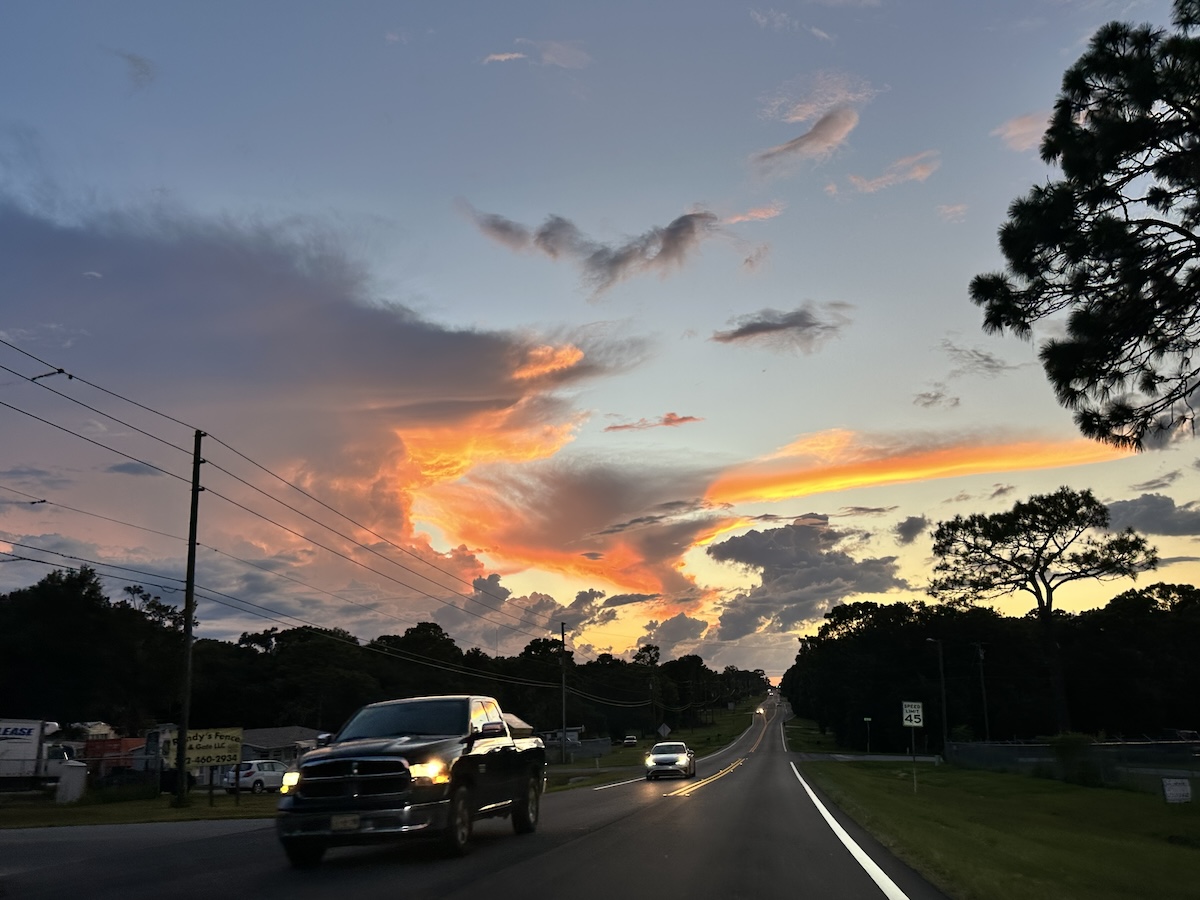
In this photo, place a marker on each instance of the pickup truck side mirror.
(324, 738)
(490, 730)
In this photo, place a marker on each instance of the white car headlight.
(681, 759)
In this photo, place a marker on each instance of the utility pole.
(987, 727)
(189, 613)
(942, 677)
(562, 657)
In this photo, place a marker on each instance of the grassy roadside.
(993, 836)
(40, 810)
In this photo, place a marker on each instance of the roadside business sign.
(213, 747)
(913, 714)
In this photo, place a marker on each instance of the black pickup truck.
(421, 766)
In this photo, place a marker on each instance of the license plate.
(343, 823)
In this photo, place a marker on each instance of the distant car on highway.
(670, 758)
(256, 776)
(630, 740)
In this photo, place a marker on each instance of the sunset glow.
(833, 461)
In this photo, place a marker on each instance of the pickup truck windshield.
(400, 719)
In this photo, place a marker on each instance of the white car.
(256, 776)
(670, 758)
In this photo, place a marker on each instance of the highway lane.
(745, 827)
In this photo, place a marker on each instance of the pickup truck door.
(494, 758)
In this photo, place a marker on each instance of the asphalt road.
(746, 827)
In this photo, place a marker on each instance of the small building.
(285, 744)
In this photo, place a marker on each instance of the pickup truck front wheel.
(304, 853)
(526, 808)
(457, 838)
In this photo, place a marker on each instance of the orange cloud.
(544, 360)
(440, 454)
(839, 460)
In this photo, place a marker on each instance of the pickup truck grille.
(362, 777)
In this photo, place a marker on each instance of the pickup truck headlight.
(290, 780)
(431, 772)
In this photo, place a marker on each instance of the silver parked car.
(670, 758)
(256, 776)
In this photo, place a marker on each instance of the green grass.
(994, 836)
(803, 736)
(39, 810)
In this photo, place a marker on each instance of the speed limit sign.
(914, 714)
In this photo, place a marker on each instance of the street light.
(942, 676)
(867, 719)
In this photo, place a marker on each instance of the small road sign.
(914, 714)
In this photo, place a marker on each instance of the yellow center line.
(684, 791)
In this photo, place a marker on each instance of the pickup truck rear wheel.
(304, 853)
(527, 807)
(457, 839)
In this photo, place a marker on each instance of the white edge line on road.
(605, 787)
(889, 888)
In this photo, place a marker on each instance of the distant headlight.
(290, 780)
(432, 772)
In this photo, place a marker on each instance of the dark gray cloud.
(973, 361)
(864, 511)
(910, 529)
(804, 329)
(132, 468)
(1155, 514)
(658, 250)
(668, 634)
(804, 571)
(627, 599)
(1157, 484)
(936, 396)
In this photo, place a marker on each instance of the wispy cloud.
(956, 212)
(659, 249)
(917, 167)
(937, 395)
(1024, 132)
(670, 420)
(564, 54)
(775, 20)
(759, 214)
(818, 143)
(974, 361)
(141, 71)
(502, 57)
(805, 329)
(813, 96)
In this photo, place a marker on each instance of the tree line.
(69, 653)
(1130, 670)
